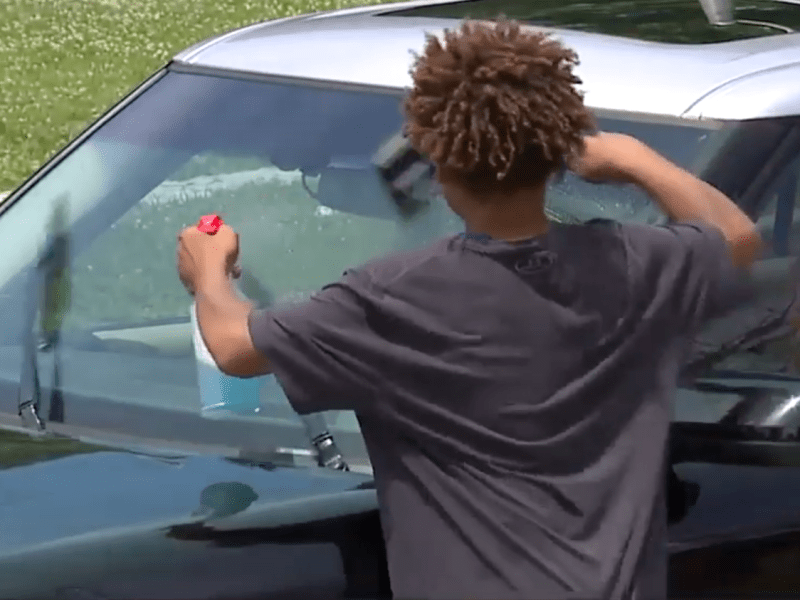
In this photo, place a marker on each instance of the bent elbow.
(232, 367)
(243, 362)
(234, 353)
(746, 244)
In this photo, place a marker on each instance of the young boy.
(513, 384)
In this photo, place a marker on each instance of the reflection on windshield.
(288, 167)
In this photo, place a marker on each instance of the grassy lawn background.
(63, 62)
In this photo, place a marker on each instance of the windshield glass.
(287, 165)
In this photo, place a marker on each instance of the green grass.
(63, 62)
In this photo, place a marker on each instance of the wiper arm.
(328, 454)
(48, 292)
(29, 395)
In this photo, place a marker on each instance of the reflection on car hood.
(90, 492)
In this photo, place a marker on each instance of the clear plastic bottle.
(222, 396)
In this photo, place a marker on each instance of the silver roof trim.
(189, 53)
(357, 46)
(769, 93)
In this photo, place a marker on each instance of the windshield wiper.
(29, 395)
(48, 292)
(328, 454)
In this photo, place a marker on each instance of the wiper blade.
(48, 293)
(29, 395)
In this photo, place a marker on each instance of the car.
(114, 484)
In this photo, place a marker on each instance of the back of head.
(495, 105)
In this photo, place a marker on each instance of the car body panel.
(658, 78)
(768, 93)
(111, 524)
(137, 488)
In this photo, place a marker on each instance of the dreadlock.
(497, 104)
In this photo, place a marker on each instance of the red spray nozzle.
(210, 224)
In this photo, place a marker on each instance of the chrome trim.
(642, 117)
(332, 84)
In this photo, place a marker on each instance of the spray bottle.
(221, 395)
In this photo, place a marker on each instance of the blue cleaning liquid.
(222, 395)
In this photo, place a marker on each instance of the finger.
(181, 260)
(187, 231)
(236, 252)
(182, 243)
(187, 284)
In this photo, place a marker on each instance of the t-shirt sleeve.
(687, 265)
(323, 350)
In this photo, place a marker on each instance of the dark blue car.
(115, 484)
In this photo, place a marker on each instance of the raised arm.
(682, 196)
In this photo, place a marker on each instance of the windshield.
(287, 165)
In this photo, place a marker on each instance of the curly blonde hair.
(497, 104)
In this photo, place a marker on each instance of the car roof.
(740, 79)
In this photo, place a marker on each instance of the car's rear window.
(670, 21)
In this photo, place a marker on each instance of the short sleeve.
(323, 351)
(687, 267)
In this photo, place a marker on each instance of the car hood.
(89, 490)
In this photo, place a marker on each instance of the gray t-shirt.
(515, 400)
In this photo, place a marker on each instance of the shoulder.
(592, 241)
(604, 231)
(382, 272)
(680, 241)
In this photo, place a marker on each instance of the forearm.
(223, 319)
(684, 197)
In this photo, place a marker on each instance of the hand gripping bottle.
(221, 395)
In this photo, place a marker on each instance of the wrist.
(210, 279)
(635, 161)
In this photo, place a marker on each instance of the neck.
(518, 216)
